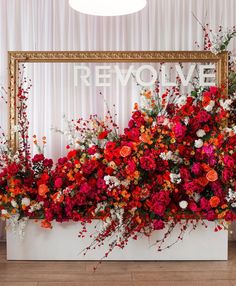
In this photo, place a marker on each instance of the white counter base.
(62, 243)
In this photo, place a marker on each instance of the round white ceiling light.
(107, 7)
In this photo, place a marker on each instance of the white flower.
(4, 212)
(181, 100)
(111, 181)
(35, 207)
(175, 178)
(183, 204)
(186, 120)
(200, 133)
(166, 156)
(25, 202)
(210, 106)
(225, 104)
(97, 155)
(14, 204)
(125, 183)
(196, 197)
(198, 143)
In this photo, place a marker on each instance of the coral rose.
(214, 201)
(212, 176)
(43, 190)
(125, 151)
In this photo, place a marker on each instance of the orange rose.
(202, 181)
(58, 197)
(125, 151)
(214, 201)
(46, 224)
(205, 167)
(212, 176)
(42, 190)
(145, 138)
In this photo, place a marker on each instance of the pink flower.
(158, 224)
(230, 216)
(101, 184)
(193, 207)
(193, 187)
(229, 161)
(204, 204)
(179, 131)
(58, 183)
(197, 169)
(213, 89)
(211, 215)
(85, 188)
(227, 174)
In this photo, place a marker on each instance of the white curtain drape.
(53, 25)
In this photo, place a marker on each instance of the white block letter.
(185, 81)
(140, 70)
(84, 77)
(163, 78)
(203, 76)
(123, 79)
(104, 76)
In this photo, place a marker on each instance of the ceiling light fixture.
(107, 7)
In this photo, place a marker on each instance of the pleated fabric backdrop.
(53, 25)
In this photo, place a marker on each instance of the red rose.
(71, 154)
(12, 169)
(185, 175)
(203, 117)
(158, 224)
(62, 161)
(92, 150)
(89, 166)
(147, 163)
(102, 135)
(48, 163)
(110, 146)
(38, 158)
(159, 209)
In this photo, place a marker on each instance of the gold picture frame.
(17, 57)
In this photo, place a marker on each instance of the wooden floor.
(216, 273)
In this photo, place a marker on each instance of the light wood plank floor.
(32, 273)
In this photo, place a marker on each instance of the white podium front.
(62, 243)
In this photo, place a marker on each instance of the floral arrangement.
(176, 160)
